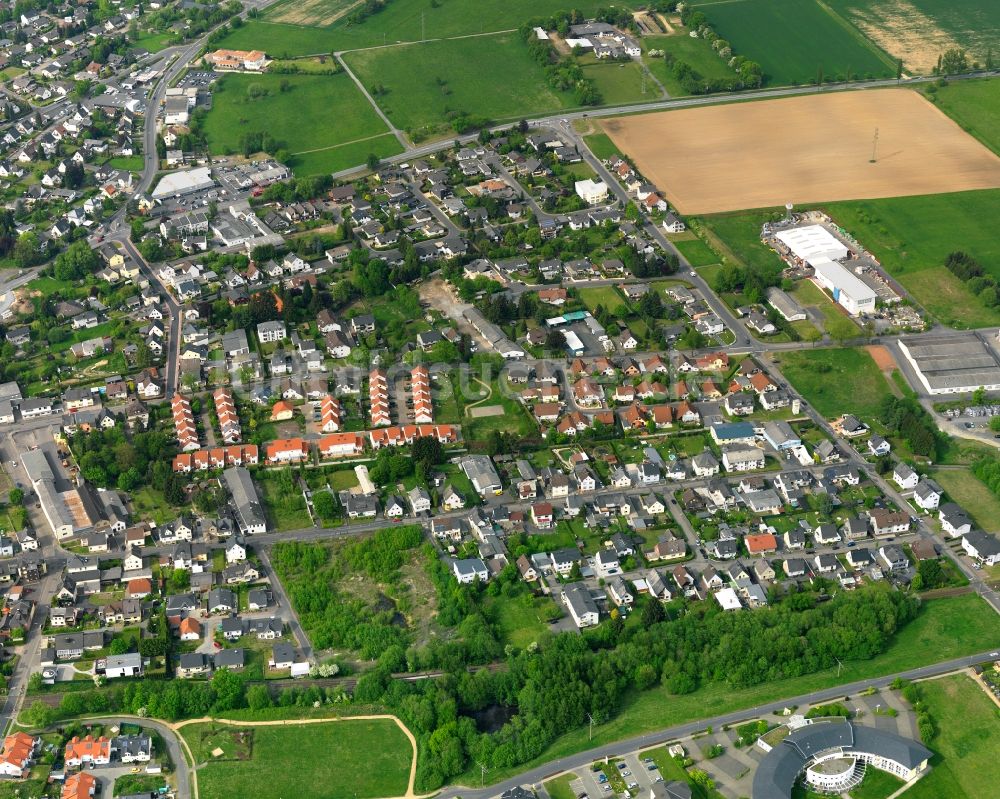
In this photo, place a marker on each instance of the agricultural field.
(918, 31)
(912, 236)
(309, 13)
(764, 154)
(797, 41)
(343, 127)
(306, 761)
(696, 53)
(836, 381)
(963, 487)
(965, 742)
(974, 105)
(421, 87)
(398, 21)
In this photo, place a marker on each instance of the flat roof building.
(953, 364)
(847, 288)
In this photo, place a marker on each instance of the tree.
(954, 61)
(324, 505)
(979, 396)
(75, 263)
(373, 162)
(16, 495)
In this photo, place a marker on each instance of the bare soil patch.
(902, 30)
(882, 357)
(486, 410)
(804, 150)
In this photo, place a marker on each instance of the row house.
(216, 458)
(229, 420)
(378, 397)
(184, 426)
(420, 390)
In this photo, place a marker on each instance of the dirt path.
(410, 792)
(481, 400)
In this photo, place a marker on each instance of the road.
(584, 759)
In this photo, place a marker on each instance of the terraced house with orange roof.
(331, 414)
(18, 752)
(229, 420)
(378, 398)
(287, 450)
(420, 390)
(184, 426)
(89, 750)
(79, 786)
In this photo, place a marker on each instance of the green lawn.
(795, 41)
(697, 252)
(945, 629)
(972, 494)
(426, 85)
(876, 785)
(601, 146)
(285, 511)
(344, 156)
(607, 296)
(154, 42)
(559, 787)
(974, 105)
(965, 743)
(338, 114)
(521, 619)
(836, 381)
(912, 236)
(696, 53)
(739, 233)
(838, 324)
(132, 163)
(972, 24)
(149, 503)
(619, 82)
(360, 758)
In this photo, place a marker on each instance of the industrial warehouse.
(816, 246)
(953, 364)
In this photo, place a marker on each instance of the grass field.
(154, 42)
(521, 619)
(307, 761)
(975, 106)
(696, 251)
(601, 295)
(912, 236)
(945, 629)
(972, 494)
(696, 53)
(837, 381)
(795, 41)
(619, 83)
(838, 324)
(601, 146)
(339, 114)
(919, 30)
(739, 233)
(966, 742)
(428, 84)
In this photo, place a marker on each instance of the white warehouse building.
(847, 288)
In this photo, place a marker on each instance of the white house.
(927, 494)
(591, 191)
(469, 570)
(905, 477)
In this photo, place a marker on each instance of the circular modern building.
(831, 757)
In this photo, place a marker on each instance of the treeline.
(988, 471)
(367, 9)
(752, 283)
(906, 417)
(967, 269)
(556, 685)
(749, 74)
(562, 74)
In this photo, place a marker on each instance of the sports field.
(422, 86)
(358, 758)
(796, 41)
(343, 127)
(919, 30)
(804, 150)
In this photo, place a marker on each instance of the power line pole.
(839, 666)
(590, 718)
(482, 774)
(875, 148)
